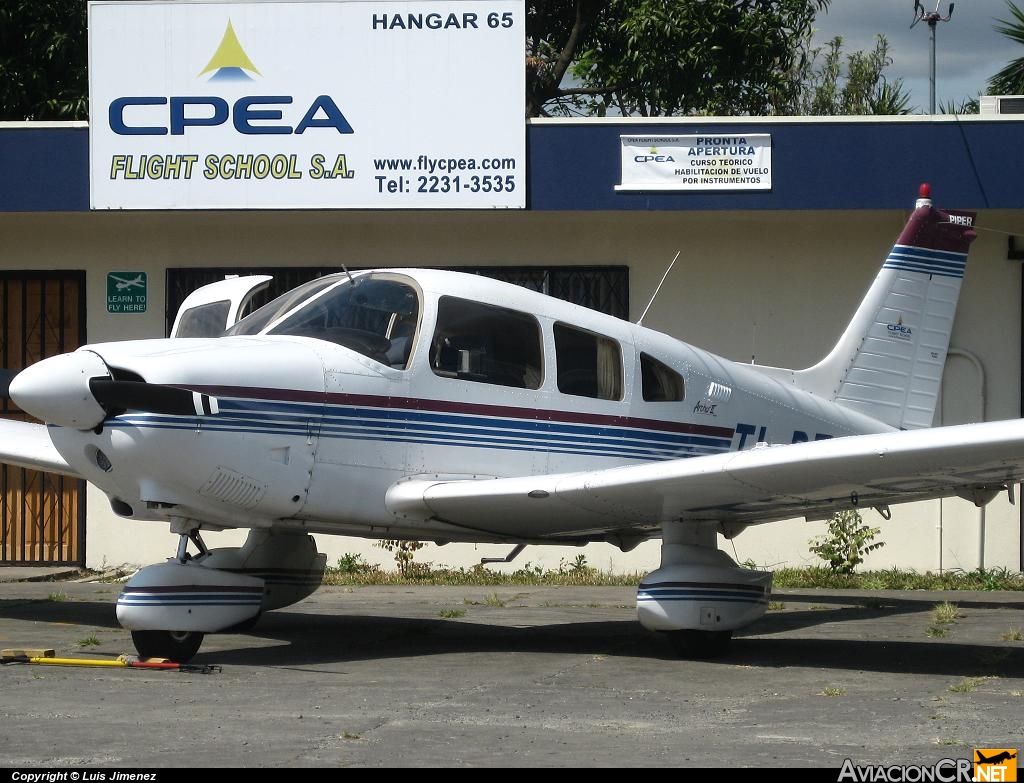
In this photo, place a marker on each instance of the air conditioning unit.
(1001, 104)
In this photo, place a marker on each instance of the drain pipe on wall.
(973, 359)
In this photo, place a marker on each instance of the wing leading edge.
(764, 484)
(28, 445)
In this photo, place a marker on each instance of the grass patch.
(352, 571)
(88, 641)
(936, 631)
(896, 579)
(1013, 635)
(968, 685)
(451, 614)
(776, 605)
(348, 735)
(946, 613)
(58, 597)
(833, 691)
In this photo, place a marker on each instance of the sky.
(968, 51)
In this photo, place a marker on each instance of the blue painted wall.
(44, 169)
(575, 166)
(815, 165)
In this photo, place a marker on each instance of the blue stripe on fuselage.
(447, 428)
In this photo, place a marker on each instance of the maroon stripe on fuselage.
(474, 409)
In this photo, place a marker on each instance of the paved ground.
(553, 677)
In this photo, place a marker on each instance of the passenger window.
(589, 365)
(660, 382)
(486, 344)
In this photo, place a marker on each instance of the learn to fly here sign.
(277, 105)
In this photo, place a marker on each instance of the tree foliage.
(847, 542)
(1010, 80)
(630, 57)
(823, 87)
(665, 57)
(43, 60)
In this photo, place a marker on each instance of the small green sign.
(126, 292)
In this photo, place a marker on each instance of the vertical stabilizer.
(888, 364)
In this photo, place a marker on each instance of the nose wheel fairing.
(169, 606)
(188, 597)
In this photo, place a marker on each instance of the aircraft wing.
(28, 445)
(763, 484)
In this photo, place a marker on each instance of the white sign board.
(276, 105)
(700, 162)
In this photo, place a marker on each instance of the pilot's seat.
(401, 344)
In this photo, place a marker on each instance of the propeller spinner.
(76, 390)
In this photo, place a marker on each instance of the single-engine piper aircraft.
(432, 405)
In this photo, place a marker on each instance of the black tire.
(699, 644)
(178, 646)
(245, 625)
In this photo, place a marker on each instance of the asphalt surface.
(518, 677)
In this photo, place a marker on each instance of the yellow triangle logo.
(230, 55)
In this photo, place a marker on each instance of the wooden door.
(42, 515)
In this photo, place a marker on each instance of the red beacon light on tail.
(924, 195)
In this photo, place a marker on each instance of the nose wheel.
(178, 646)
(699, 644)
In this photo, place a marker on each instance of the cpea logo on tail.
(995, 764)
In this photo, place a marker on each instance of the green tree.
(821, 85)
(665, 57)
(1010, 80)
(847, 542)
(43, 60)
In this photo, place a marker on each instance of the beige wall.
(780, 285)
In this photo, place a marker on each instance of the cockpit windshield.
(260, 319)
(375, 316)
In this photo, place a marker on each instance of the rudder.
(889, 362)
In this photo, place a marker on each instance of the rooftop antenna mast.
(932, 18)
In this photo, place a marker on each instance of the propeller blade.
(151, 398)
(6, 376)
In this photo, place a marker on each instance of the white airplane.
(122, 284)
(433, 405)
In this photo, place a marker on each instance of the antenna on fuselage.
(351, 279)
(639, 321)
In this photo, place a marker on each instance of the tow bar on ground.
(47, 657)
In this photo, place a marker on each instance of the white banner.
(297, 105)
(711, 162)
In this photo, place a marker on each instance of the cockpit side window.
(486, 344)
(206, 320)
(660, 383)
(589, 365)
(376, 317)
